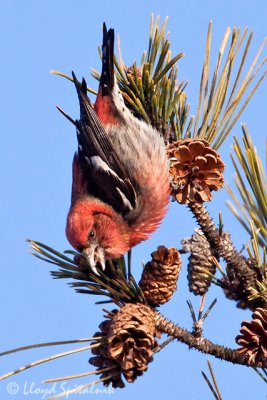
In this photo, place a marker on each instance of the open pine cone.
(253, 338)
(160, 275)
(196, 170)
(102, 359)
(130, 342)
(131, 339)
(127, 344)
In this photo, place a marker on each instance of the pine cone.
(160, 275)
(196, 170)
(253, 338)
(102, 359)
(131, 339)
(238, 284)
(199, 262)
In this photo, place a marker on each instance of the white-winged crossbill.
(120, 188)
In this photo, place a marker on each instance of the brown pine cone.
(253, 338)
(131, 339)
(102, 359)
(196, 170)
(238, 284)
(160, 275)
(199, 262)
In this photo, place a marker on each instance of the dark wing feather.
(107, 75)
(102, 168)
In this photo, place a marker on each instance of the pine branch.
(201, 344)
(242, 275)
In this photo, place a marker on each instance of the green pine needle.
(152, 91)
(251, 183)
(223, 95)
(113, 283)
(255, 251)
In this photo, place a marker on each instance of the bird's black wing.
(107, 177)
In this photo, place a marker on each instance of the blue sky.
(37, 148)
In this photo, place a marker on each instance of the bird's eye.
(92, 234)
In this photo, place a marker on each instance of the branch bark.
(201, 344)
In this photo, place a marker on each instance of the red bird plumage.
(120, 188)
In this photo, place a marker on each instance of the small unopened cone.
(160, 275)
(200, 262)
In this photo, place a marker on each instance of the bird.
(120, 172)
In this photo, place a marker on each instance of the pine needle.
(213, 383)
(81, 375)
(221, 102)
(80, 388)
(262, 375)
(114, 282)
(47, 344)
(251, 183)
(47, 359)
(69, 78)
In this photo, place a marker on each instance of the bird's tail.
(107, 75)
(104, 104)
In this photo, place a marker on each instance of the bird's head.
(97, 231)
